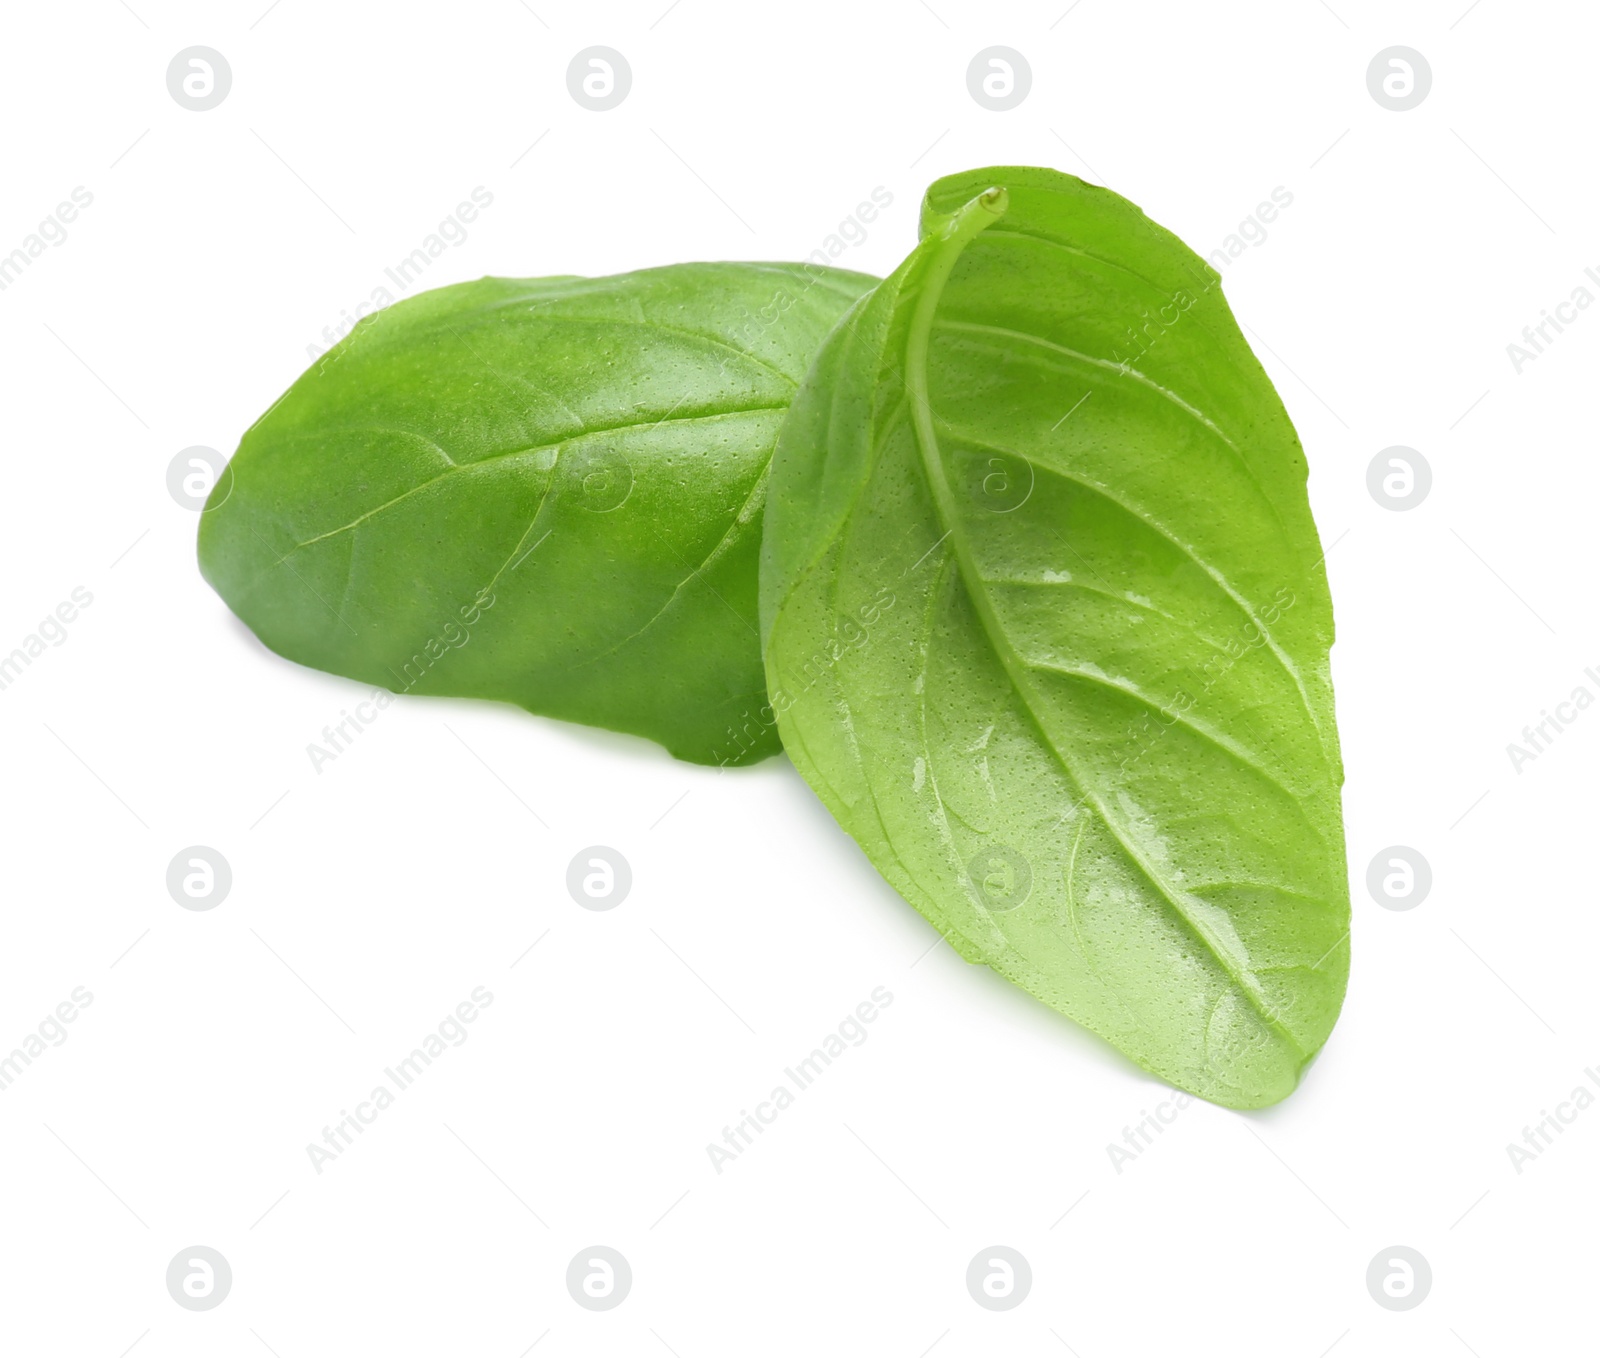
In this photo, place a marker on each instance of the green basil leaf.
(1046, 626)
(546, 491)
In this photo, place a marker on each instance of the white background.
(369, 899)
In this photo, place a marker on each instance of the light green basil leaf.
(1046, 626)
(547, 491)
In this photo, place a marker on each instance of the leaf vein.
(521, 452)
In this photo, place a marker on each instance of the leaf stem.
(954, 234)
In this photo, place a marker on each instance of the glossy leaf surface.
(546, 491)
(1047, 628)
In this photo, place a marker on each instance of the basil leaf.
(1046, 627)
(547, 491)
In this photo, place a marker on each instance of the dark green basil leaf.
(1046, 626)
(547, 491)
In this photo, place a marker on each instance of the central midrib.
(489, 461)
(968, 223)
